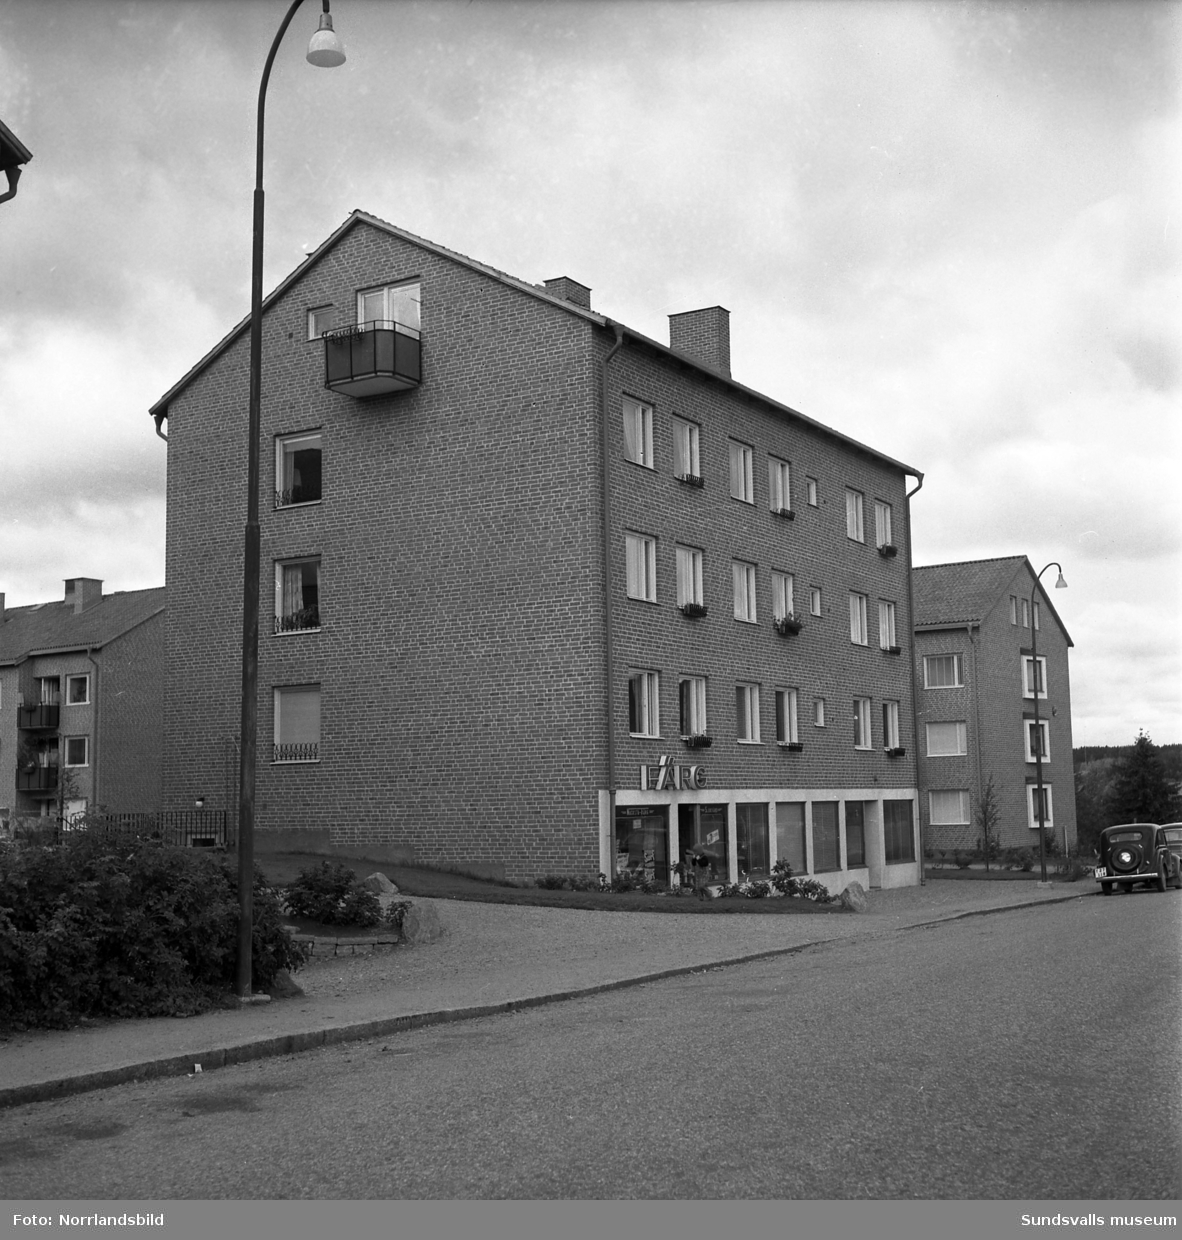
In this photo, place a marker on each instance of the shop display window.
(752, 841)
(790, 835)
(702, 835)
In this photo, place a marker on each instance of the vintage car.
(1140, 852)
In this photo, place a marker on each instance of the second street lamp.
(1038, 684)
(325, 51)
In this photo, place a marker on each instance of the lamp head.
(1061, 584)
(325, 50)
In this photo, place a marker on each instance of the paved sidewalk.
(492, 958)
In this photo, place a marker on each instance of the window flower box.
(691, 480)
(789, 514)
(789, 624)
(698, 741)
(792, 746)
(888, 551)
(693, 610)
(897, 752)
(893, 650)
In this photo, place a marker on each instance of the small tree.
(1141, 789)
(987, 815)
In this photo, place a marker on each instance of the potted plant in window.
(693, 610)
(888, 551)
(698, 740)
(789, 623)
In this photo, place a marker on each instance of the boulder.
(379, 884)
(421, 924)
(283, 987)
(853, 898)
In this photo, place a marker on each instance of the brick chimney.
(83, 592)
(704, 335)
(569, 290)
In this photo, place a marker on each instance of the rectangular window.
(1025, 613)
(689, 576)
(297, 723)
(818, 712)
(862, 738)
(49, 689)
(853, 516)
(686, 461)
(747, 713)
(947, 740)
(77, 690)
(942, 671)
(742, 472)
(855, 834)
(77, 751)
(1034, 749)
(320, 320)
(779, 485)
(644, 718)
(890, 725)
(1036, 614)
(949, 807)
(858, 626)
(297, 469)
(752, 840)
(786, 726)
(1032, 805)
(1034, 678)
(297, 595)
(641, 556)
(886, 624)
(882, 524)
(897, 831)
(810, 486)
(1013, 609)
(815, 600)
(744, 582)
(692, 691)
(826, 837)
(790, 835)
(395, 306)
(638, 432)
(783, 602)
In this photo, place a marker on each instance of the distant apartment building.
(540, 593)
(82, 702)
(976, 624)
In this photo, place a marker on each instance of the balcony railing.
(308, 751)
(372, 359)
(40, 779)
(32, 718)
(298, 621)
(297, 495)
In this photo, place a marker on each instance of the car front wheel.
(1160, 881)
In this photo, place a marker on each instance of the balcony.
(372, 359)
(39, 779)
(34, 718)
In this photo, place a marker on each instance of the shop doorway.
(702, 836)
(642, 842)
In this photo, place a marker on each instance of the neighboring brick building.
(82, 702)
(433, 671)
(975, 703)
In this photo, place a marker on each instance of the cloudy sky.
(947, 229)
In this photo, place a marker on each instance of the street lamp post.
(326, 52)
(1038, 683)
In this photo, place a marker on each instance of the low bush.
(331, 894)
(396, 912)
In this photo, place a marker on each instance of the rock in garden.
(853, 898)
(379, 884)
(421, 924)
(283, 987)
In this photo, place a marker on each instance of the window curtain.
(632, 431)
(293, 589)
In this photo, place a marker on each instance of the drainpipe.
(914, 682)
(976, 692)
(609, 645)
(159, 420)
(95, 750)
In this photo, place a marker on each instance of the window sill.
(744, 620)
(295, 761)
(296, 632)
(633, 598)
(791, 746)
(652, 469)
(645, 736)
(740, 500)
(308, 503)
(741, 741)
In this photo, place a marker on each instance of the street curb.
(292, 1043)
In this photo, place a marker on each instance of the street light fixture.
(1039, 686)
(325, 51)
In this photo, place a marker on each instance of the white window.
(638, 432)
(320, 320)
(49, 690)
(890, 725)
(815, 601)
(862, 738)
(297, 469)
(853, 516)
(886, 624)
(297, 595)
(1032, 740)
(1048, 819)
(942, 671)
(396, 306)
(744, 580)
(779, 485)
(692, 692)
(882, 524)
(1033, 678)
(77, 751)
(644, 715)
(783, 601)
(742, 472)
(858, 628)
(689, 576)
(77, 690)
(747, 713)
(818, 712)
(1025, 613)
(641, 555)
(1013, 609)
(786, 728)
(686, 461)
(810, 486)
(949, 807)
(947, 740)
(297, 723)
(1036, 614)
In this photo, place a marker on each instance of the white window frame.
(280, 614)
(815, 600)
(744, 580)
(747, 714)
(278, 692)
(862, 736)
(890, 724)
(397, 308)
(1028, 736)
(693, 703)
(942, 743)
(787, 722)
(317, 325)
(686, 449)
(1025, 613)
(958, 817)
(301, 439)
(73, 740)
(689, 575)
(1032, 818)
(886, 624)
(1027, 677)
(810, 487)
(859, 625)
(648, 700)
(49, 690)
(640, 560)
(855, 526)
(1037, 616)
(818, 712)
(783, 595)
(883, 535)
(638, 432)
(742, 471)
(779, 485)
(85, 699)
(1013, 609)
(958, 669)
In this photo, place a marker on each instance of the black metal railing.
(309, 751)
(40, 779)
(204, 828)
(298, 621)
(297, 495)
(45, 715)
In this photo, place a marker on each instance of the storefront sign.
(669, 774)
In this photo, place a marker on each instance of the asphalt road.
(1030, 1054)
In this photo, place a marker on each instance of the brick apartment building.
(82, 702)
(460, 461)
(975, 703)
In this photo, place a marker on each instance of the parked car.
(1140, 852)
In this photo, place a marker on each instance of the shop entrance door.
(702, 834)
(642, 842)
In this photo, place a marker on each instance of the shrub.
(757, 889)
(396, 912)
(330, 894)
(552, 882)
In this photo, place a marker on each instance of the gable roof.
(45, 627)
(953, 595)
(159, 410)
